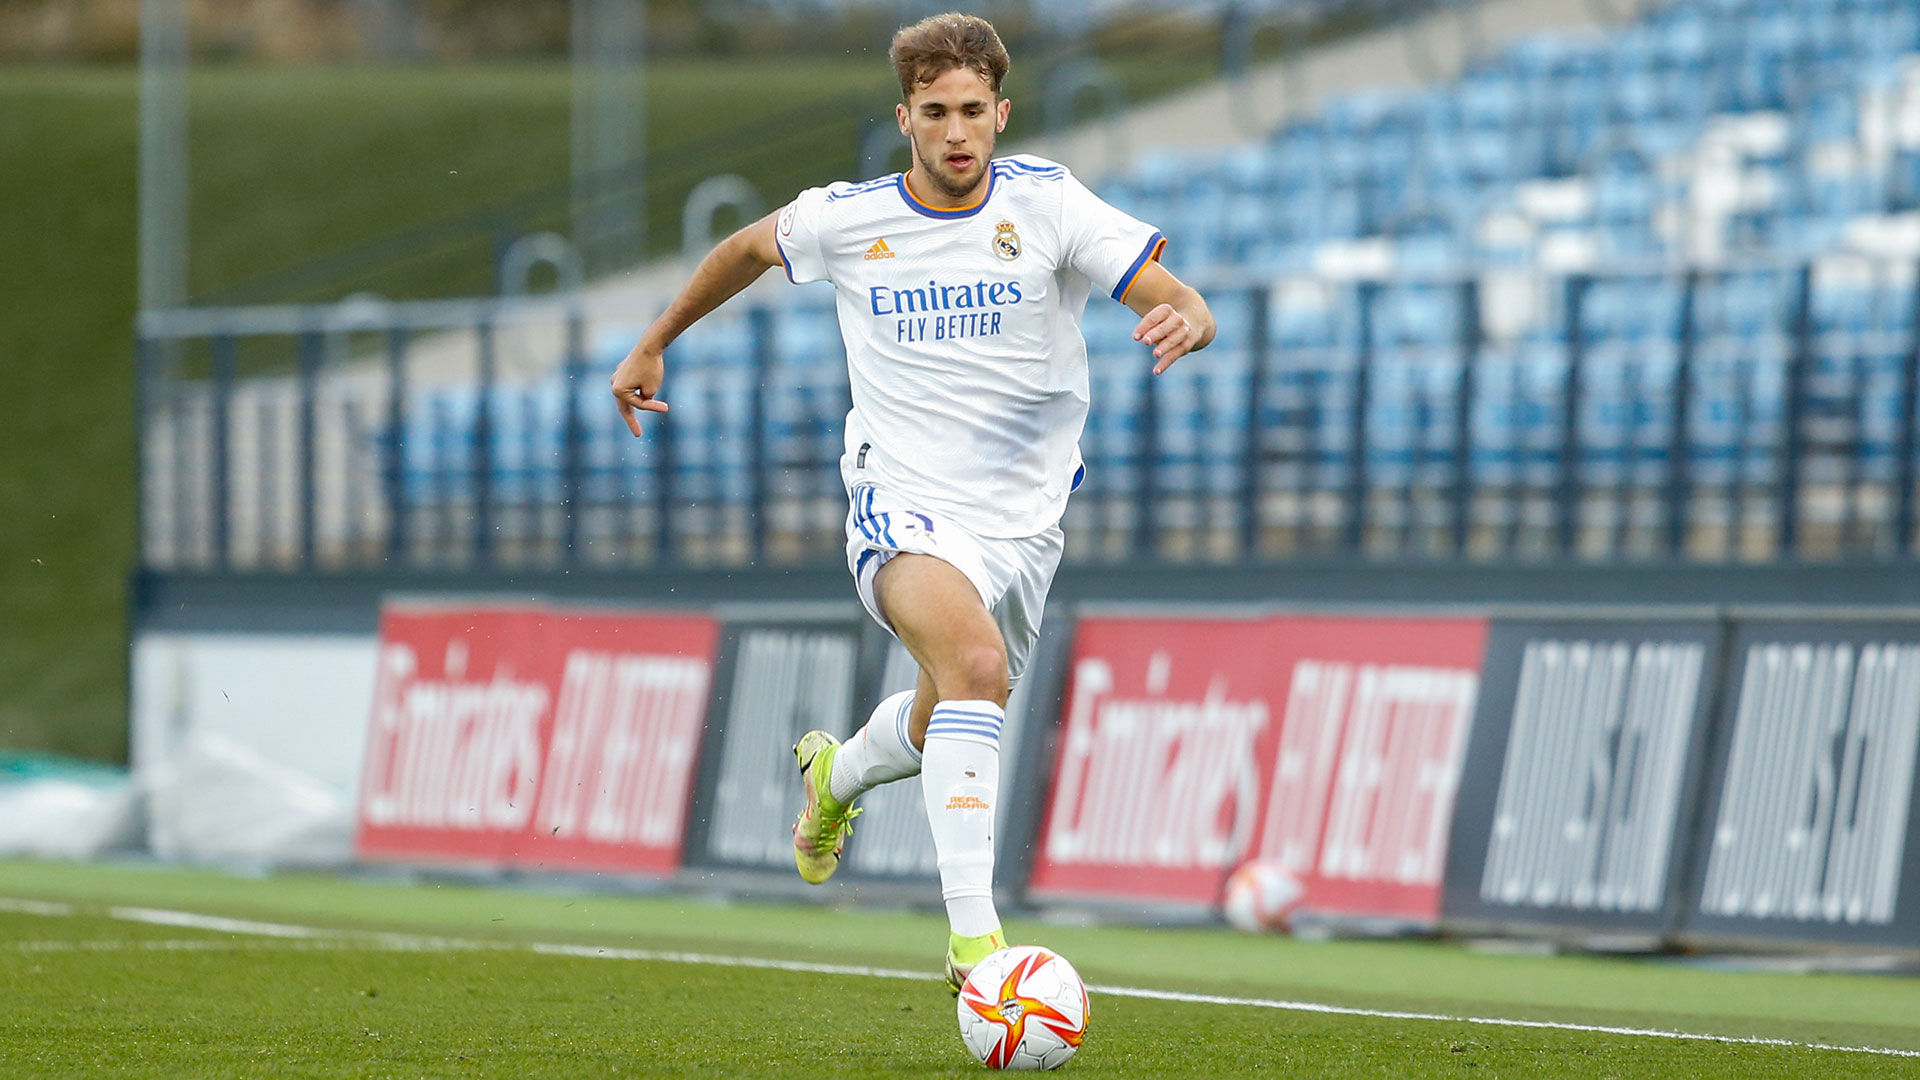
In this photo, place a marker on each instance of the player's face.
(952, 122)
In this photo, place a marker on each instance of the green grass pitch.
(352, 978)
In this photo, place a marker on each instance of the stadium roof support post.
(163, 154)
(609, 131)
(1422, 51)
(389, 29)
(1236, 40)
(1904, 465)
(1239, 34)
(1062, 89)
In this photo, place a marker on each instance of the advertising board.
(778, 679)
(1581, 775)
(534, 737)
(1329, 744)
(1805, 835)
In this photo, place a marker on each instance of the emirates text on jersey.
(937, 297)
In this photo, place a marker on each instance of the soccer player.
(960, 286)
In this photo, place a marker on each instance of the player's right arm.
(731, 266)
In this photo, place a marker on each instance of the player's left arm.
(1174, 318)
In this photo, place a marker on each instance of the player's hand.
(635, 382)
(1170, 334)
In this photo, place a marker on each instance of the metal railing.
(1730, 415)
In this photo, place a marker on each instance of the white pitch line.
(34, 907)
(366, 944)
(299, 937)
(192, 921)
(147, 945)
(1488, 1021)
(596, 952)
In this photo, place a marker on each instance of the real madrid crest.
(1006, 242)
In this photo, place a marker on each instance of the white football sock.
(879, 753)
(960, 778)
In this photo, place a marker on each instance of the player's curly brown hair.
(938, 44)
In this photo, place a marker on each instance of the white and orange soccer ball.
(1261, 897)
(1023, 1008)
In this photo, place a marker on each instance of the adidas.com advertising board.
(1805, 832)
(1330, 744)
(1582, 776)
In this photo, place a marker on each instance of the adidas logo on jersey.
(879, 250)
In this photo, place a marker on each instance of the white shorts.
(1012, 575)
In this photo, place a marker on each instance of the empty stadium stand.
(1646, 293)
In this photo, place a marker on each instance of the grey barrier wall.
(1805, 832)
(777, 678)
(1575, 798)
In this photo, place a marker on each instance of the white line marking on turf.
(34, 907)
(597, 952)
(192, 921)
(123, 945)
(1489, 1021)
(262, 945)
(314, 937)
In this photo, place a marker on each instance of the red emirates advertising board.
(534, 737)
(1331, 745)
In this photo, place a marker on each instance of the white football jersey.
(968, 370)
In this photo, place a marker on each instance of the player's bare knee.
(976, 673)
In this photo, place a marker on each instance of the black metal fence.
(1749, 414)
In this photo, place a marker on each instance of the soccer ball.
(1023, 1008)
(1261, 897)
